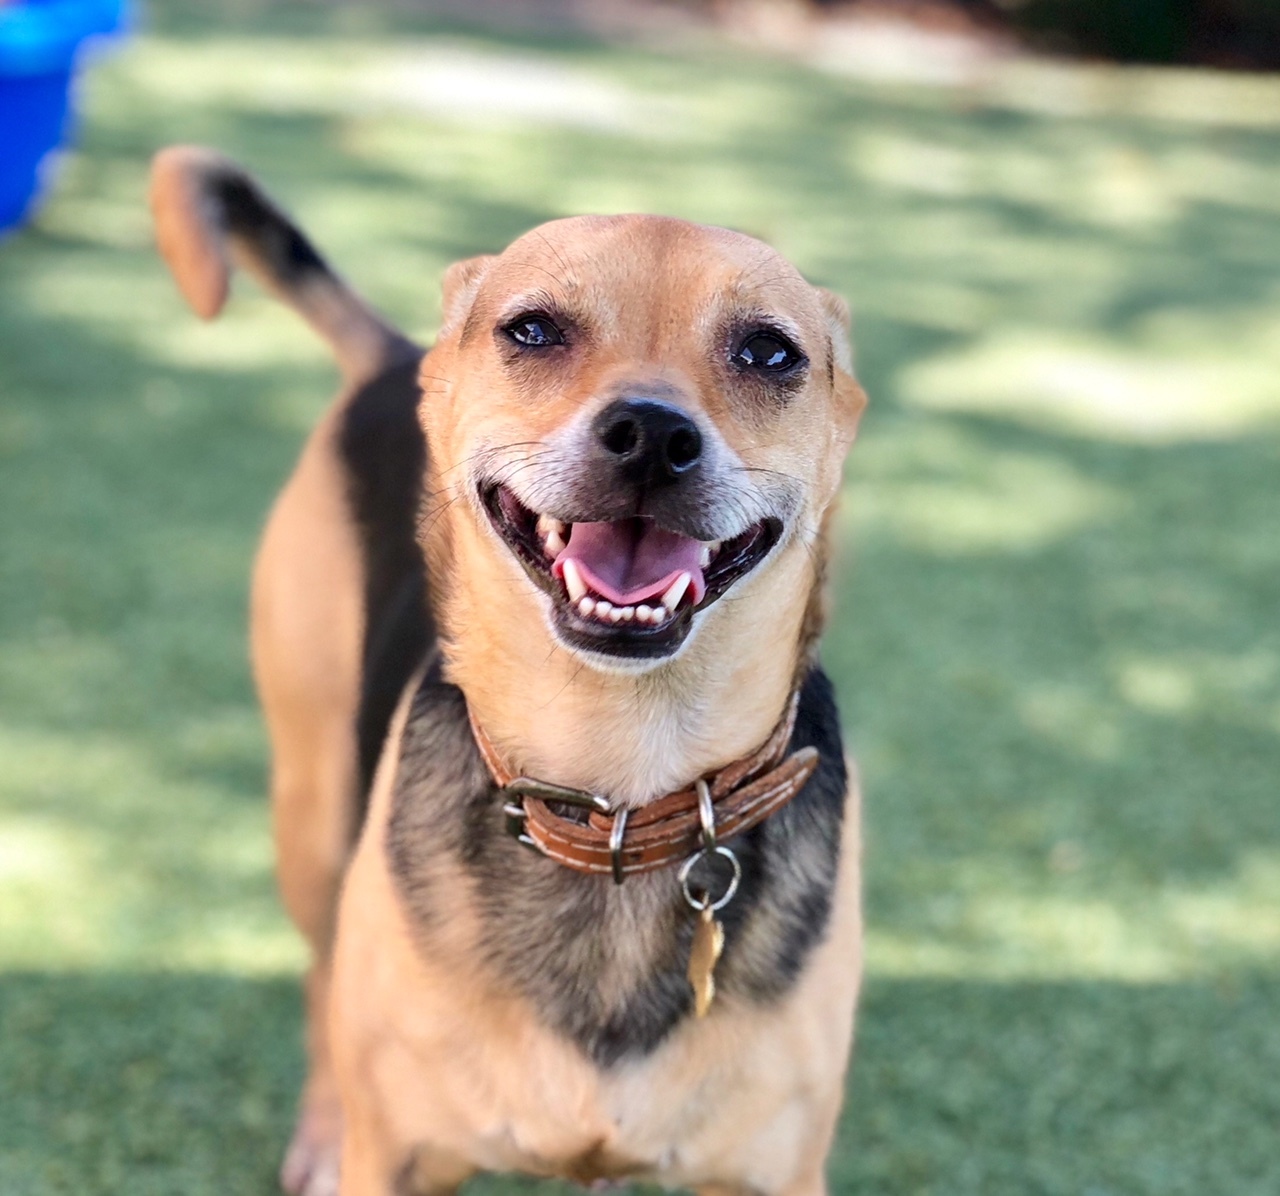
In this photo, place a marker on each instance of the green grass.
(1056, 638)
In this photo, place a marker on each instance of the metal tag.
(708, 942)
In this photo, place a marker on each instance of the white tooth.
(615, 615)
(603, 607)
(585, 607)
(628, 612)
(675, 591)
(659, 614)
(573, 580)
(704, 557)
(643, 614)
(552, 533)
(553, 545)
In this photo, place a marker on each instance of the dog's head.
(630, 419)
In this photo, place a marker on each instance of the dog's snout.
(652, 441)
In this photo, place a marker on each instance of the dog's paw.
(310, 1166)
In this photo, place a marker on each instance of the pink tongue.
(631, 560)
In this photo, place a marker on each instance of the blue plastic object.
(41, 44)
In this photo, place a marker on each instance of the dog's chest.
(667, 1118)
(600, 964)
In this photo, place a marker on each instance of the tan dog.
(580, 540)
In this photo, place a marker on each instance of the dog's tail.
(210, 213)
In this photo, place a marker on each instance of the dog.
(559, 797)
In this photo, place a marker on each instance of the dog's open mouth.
(626, 587)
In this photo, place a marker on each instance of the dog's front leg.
(310, 1165)
(812, 1181)
(369, 1168)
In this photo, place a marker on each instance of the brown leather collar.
(665, 832)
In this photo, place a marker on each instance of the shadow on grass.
(162, 1083)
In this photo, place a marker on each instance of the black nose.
(652, 441)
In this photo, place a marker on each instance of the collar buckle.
(517, 816)
(544, 791)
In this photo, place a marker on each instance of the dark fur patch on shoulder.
(383, 449)
(601, 963)
(799, 853)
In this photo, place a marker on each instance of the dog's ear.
(850, 398)
(461, 280)
(840, 325)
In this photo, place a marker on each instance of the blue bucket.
(40, 47)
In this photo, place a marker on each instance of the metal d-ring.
(616, 833)
(706, 814)
(705, 902)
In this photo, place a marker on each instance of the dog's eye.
(766, 351)
(536, 332)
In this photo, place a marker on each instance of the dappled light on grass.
(1200, 99)
(87, 880)
(1055, 635)
(1219, 389)
(1065, 930)
(951, 492)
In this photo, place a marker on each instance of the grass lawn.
(1056, 637)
